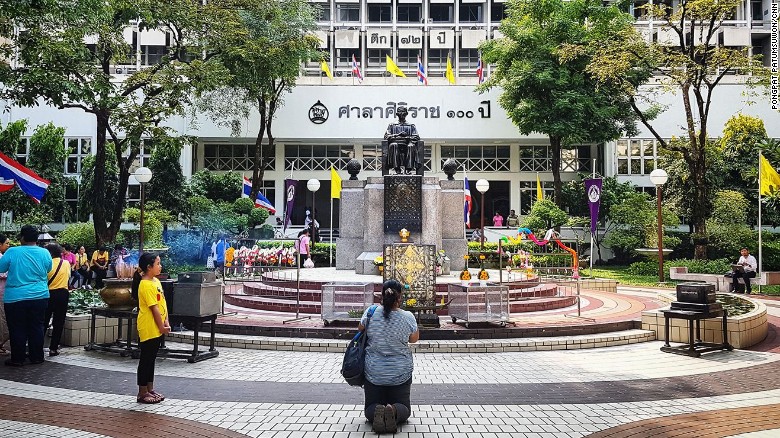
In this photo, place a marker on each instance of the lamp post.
(143, 175)
(313, 185)
(482, 186)
(659, 178)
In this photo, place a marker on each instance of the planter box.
(76, 330)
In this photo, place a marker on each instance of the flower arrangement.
(483, 275)
(229, 256)
(411, 302)
(465, 275)
(379, 261)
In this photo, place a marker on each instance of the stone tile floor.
(625, 391)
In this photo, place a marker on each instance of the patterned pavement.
(624, 391)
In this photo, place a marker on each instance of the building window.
(408, 13)
(317, 157)
(78, 149)
(379, 13)
(233, 157)
(441, 13)
(23, 150)
(471, 13)
(497, 12)
(344, 58)
(72, 196)
(372, 157)
(348, 12)
(407, 58)
(467, 62)
(528, 194)
(268, 189)
(478, 158)
(535, 159)
(437, 59)
(636, 156)
(576, 159)
(323, 12)
(151, 55)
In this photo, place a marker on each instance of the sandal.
(158, 395)
(148, 399)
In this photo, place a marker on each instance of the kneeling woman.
(389, 363)
(152, 323)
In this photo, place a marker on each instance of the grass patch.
(626, 278)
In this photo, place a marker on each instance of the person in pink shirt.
(498, 220)
(68, 256)
(302, 245)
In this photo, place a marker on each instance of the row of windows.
(465, 62)
(474, 158)
(412, 13)
(636, 156)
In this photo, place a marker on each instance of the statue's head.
(401, 112)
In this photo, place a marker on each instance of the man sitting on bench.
(748, 271)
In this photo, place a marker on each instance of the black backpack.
(354, 364)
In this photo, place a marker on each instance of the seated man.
(749, 264)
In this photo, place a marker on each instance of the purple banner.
(289, 197)
(593, 192)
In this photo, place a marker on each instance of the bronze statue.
(402, 152)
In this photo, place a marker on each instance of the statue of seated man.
(402, 141)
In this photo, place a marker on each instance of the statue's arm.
(389, 132)
(415, 136)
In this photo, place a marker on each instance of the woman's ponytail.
(136, 283)
(146, 260)
(391, 293)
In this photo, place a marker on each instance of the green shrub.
(78, 234)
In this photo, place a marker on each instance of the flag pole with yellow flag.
(393, 68)
(539, 191)
(324, 67)
(450, 75)
(335, 193)
(768, 182)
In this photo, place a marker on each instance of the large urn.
(117, 294)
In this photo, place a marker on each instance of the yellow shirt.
(150, 294)
(61, 280)
(100, 258)
(81, 260)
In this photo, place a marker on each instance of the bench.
(723, 284)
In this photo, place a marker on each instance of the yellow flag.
(392, 68)
(539, 191)
(770, 180)
(335, 184)
(450, 75)
(326, 69)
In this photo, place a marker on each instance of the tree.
(637, 225)
(89, 190)
(10, 140)
(693, 66)
(542, 72)
(225, 187)
(544, 215)
(167, 185)
(47, 158)
(57, 68)
(263, 68)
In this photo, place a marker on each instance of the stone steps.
(575, 342)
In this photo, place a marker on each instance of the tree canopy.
(541, 66)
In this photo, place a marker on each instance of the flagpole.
(593, 234)
(760, 268)
(330, 250)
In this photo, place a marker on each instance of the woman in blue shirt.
(389, 362)
(26, 296)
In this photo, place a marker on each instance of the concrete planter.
(743, 331)
(76, 330)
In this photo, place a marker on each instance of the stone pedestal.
(362, 217)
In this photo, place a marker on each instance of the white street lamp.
(659, 178)
(482, 186)
(143, 175)
(313, 185)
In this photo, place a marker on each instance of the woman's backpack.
(353, 367)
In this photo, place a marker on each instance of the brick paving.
(105, 421)
(710, 424)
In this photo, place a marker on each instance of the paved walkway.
(624, 391)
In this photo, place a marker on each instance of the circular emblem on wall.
(318, 113)
(290, 193)
(594, 193)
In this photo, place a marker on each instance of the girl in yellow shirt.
(153, 323)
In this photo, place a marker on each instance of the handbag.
(354, 364)
(210, 262)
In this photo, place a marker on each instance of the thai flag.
(480, 71)
(6, 184)
(356, 69)
(467, 203)
(421, 76)
(28, 181)
(261, 201)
